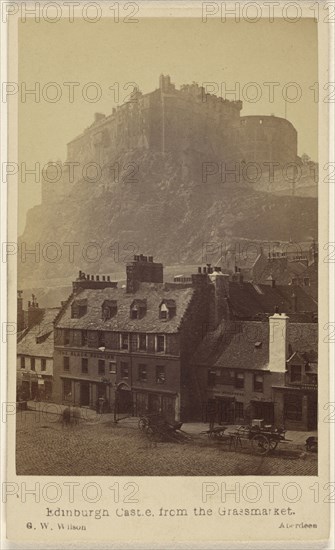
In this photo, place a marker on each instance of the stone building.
(130, 347)
(197, 126)
(35, 349)
(260, 370)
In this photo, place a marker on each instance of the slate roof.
(232, 345)
(282, 270)
(152, 293)
(246, 300)
(39, 340)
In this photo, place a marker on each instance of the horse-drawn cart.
(157, 428)
(263, 439)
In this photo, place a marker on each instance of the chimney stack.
(20, 312)
(142, 270)
(35, 314)
(278, 342)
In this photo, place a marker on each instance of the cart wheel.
(142, 423)
(273, 444)
(260, 444)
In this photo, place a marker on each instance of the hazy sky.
(188, 50)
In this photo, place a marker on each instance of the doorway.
(84, 394)
(154, 403)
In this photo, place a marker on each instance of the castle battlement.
(185, 121)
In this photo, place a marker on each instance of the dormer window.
(138, 309)
(167, 309)
(78, 308)
(164, 312)
(109, 309)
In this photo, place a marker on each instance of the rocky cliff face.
(158, 208)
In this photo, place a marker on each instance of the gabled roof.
(282, 270)
(44, 334)
(168, 302)
(246, 300)
(232, 344)
(140, 303)
(151, 293)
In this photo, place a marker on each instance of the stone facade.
(198, 127)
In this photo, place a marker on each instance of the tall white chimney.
(278, 342)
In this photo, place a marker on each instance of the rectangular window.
(142, 373)
(32, 363)
(239, 410)
(293, 407)
(134, 313)
(124, 370)
(66, 363)
(295, 373)
(239, 380)
(225, 377)
(84, 337)
(67, 389)
(160, 342)
(101, 340)
(66, 337)
(160, 375)
(258, 382)
(82, 310)
(112, 367)
(142, 342)
(43, 364)
(211, 378)
(84, 365)
(124, 341)
(23, 362)
(101, 367)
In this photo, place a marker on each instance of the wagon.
(156, 427)
(218, 432)
(263, 439)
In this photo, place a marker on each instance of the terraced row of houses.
(180, 348)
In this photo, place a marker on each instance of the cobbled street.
(45, 447)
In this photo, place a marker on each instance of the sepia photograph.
(167, 253)
(167, 275)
